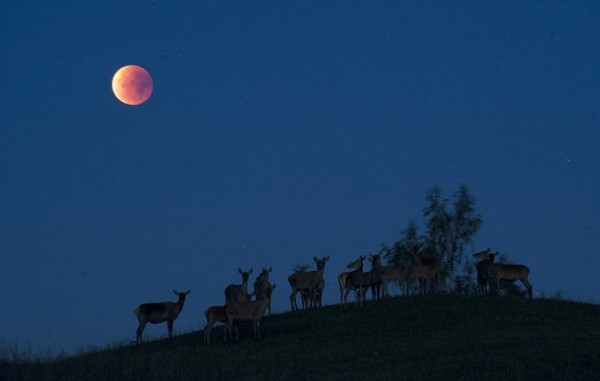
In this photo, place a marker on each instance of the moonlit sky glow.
(279, 131)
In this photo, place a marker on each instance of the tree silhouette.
(401, 252)
(449, 232)
(450, 226)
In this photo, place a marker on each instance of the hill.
(419, 337)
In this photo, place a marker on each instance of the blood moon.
(132, 85)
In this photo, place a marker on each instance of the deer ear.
(327, 258)
(240, 270)
(188, 292)
(250, 272)
(175, 292)
(270, 269)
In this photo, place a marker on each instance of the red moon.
(132, 85)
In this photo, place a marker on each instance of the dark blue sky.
(279, 131)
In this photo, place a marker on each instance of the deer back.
(157, 312)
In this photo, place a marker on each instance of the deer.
(305, 294)
(238, 292)
(318, 284)
(261, 285)
(426, 270)
(372, 280)
(156, 313)
(483, 277)
(213, 314)
(423, 260)
(312, 281)
(506, 272)
(217, 314)
(247, 310)
(386, 274)
(352, 281)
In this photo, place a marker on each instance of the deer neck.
(179, 306)
(377, 267)
(245, 286)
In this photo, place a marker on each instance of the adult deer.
(217, 314)
(506, 272)
(238, 292)
(247, 310)
(387, 274)
(353, 281)
(426, 271)
(483, 277)
(311, 281)
(372, 279)
(262, 285)
(156, 313)
(213, 314)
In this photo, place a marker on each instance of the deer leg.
(293, 300)
(345, 298)
(227, 331)
(257, 329)
(306, 295)
(384, 290)
(408, 286)
(207, 330)
(138, 333)
(529, 287)
(170, 328)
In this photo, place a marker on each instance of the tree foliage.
(450, 225)
(401, 252)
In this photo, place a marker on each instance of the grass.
(418, 338)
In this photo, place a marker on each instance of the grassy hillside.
(420, 337)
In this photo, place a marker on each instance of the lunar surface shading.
(132, 85)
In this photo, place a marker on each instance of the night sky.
(279, 131)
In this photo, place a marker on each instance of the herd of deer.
(239, 305)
